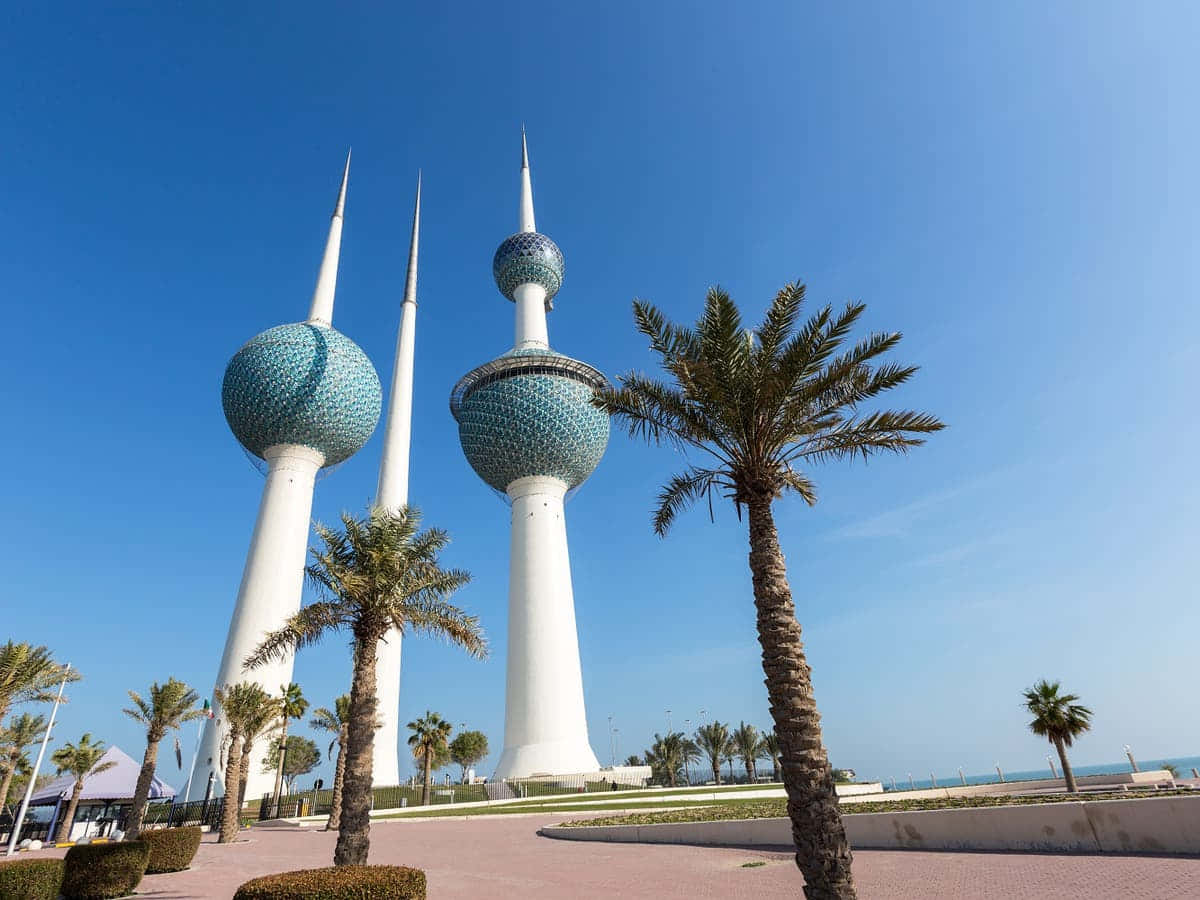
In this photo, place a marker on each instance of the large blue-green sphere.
(528, 258)
(302, 384)
(530, 413)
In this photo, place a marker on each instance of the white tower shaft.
(545, 725)
(392, 494)
(272, 583)
(321, 310)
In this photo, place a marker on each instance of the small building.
(105, 802)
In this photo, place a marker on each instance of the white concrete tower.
(529, 430)
(392, 494)
(300, 397)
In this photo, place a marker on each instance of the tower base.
(566, 757)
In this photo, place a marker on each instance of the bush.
(338, 883)
(31, 879)
(171, 849)
(100, 871)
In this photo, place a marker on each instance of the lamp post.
(1000, 772)
(912, 786)
(1132, 761)
(962, 777)
(669, 729)
(33, 775)
(1053, 771)
(612, 744)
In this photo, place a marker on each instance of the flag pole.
(20, 820)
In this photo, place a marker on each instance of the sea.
(1183, 764)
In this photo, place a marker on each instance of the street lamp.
(1053, 771)
(1132, 761)
(612, 744)
(962, 777)
(669, 729)
(1000, 772)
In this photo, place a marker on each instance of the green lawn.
(771, 809)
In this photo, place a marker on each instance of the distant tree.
(335, 720)
(1058, 717)
(167, 707)
(428, 738)
(768, 748)
(712, 740)
(28, 674)
(292, 705)
(843, 776)
(1171, 769)
(22, 731)
(665, 758)
(690, 752)
(80, 760)
(300, 756)
(468, 748)
(634, 761)
(759, 407)
(379, 573)
(745, 744)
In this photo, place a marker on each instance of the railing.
(30, 830)
(198, 812)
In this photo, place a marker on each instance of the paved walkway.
(494, 857)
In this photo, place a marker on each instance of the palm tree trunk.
(231, 810)
(1068, 772)
(244, 772)
(68, 819)
(279, 768)
(822, 851)
(7, 783)
(141, 793)
(339, 774)
(716, 766)
(354, 838)
(427, 791)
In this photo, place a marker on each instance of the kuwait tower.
(392, 495)
(300, 397)
(528, 429)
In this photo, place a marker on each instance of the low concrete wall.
(1151, 825)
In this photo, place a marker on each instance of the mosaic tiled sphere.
(528, 258)
(538, 419)
(302, 384)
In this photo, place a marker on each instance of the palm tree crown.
(712, 739)
(28, 674)
(430, 734)
(760, 404)
(332, 720)
(168, 706)
(81, 759)
(22, 731)
(1058, 717)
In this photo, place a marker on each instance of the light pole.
(962, 777)
(1053, 771)
(668, 721)
(1000, 772)
(1132, 761)
(612, 744)
(16, 825)
(912, 785)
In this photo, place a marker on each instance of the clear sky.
(1014, 186)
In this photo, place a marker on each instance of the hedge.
(101, 871)
(338, 883)
(171, 849)
(31, 879)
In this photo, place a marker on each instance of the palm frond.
(303, 629)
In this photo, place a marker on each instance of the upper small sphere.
(528, 258)
(302, 384)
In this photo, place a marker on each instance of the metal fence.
(198, 812)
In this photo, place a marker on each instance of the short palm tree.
(665, 757)
(335, 721)
(768, 748)
(292, 706)
(690, 753)
(745, 742)
(634, 761)
(712, 740)
(22, 731)
(80, 760)
(429, 741)
(248, 711)
(377, 573)
(758, 407)
(168, 706)
(1058, 717)
(29, 674)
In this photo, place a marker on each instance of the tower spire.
(527, 223)
(321, 310)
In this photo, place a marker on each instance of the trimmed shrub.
(338, 883)
(31, 879)
(171, 849)
(101, 871)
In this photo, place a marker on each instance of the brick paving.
(500, 857)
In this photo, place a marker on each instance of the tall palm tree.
(712, 739)
(248, 711)
(1058, 717)
(22, 731)
(168, 706)
(745, 742)
(81, 760)
(337, 721)
(29, 674)
(729, 754)
(768, 748)
(690, 753)
(378, 573)
(428, 742)
(758, 407)
(292, 706)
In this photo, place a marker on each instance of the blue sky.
(1014, 187)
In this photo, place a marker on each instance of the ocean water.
(1184, 764)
